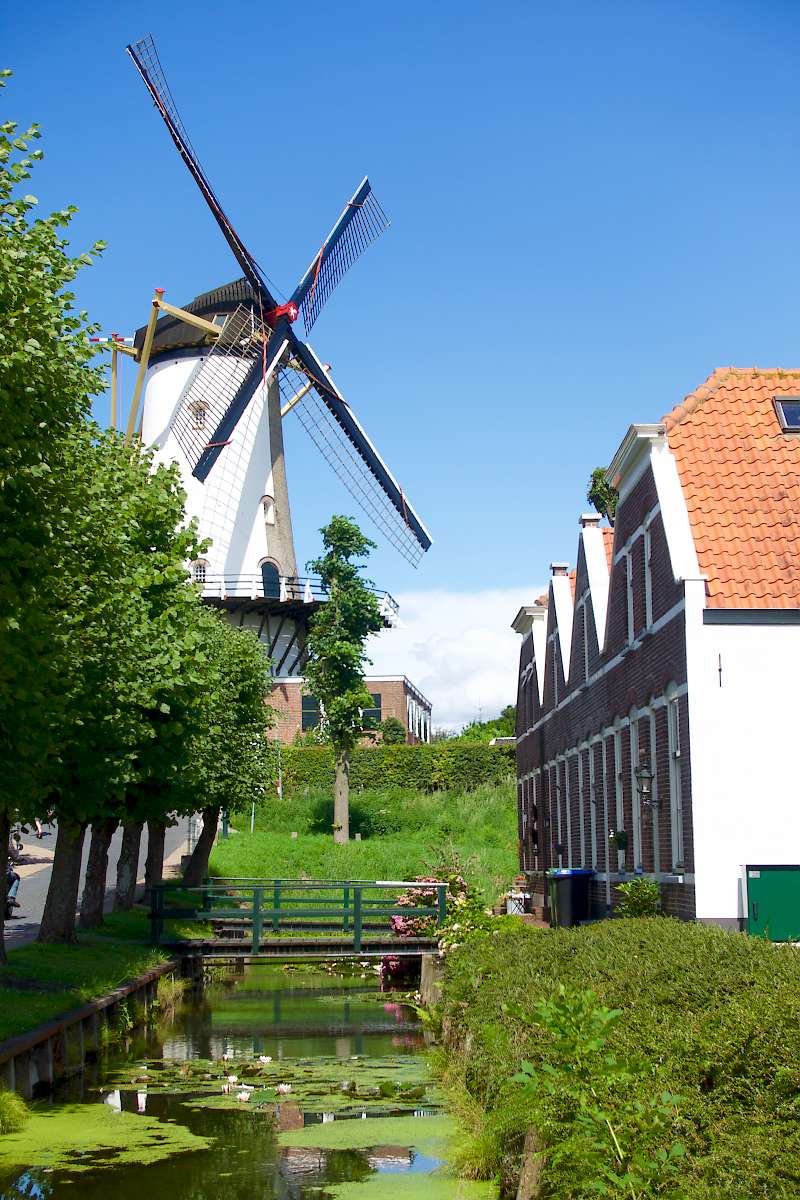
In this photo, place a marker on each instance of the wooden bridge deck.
(308, 949)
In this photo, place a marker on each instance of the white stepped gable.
(563, 610)
(597, 573)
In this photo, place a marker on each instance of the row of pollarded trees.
(122, 698)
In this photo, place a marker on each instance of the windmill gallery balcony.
(290, 590)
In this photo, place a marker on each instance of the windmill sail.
(362, 221)
(148, 64)
(337, 433)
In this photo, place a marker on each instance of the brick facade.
(399, 698)
(578, 747)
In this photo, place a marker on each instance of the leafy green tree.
(392, 732)
(230, 754)
(484, 731)
(46, 378)
(601, 495)
(337, 635)
(126, 605)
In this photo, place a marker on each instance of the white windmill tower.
(219, 376)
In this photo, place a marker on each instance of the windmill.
(220, 375)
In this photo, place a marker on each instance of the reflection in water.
(266, 1015)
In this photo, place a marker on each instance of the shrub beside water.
(13, 1112)
(706, 1015)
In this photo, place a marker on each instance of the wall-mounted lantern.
(644, 780)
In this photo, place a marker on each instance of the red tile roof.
(740, 475)
(608, 543)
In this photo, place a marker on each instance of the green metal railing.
(290, 905)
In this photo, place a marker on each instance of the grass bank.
(42, 982)
(407, 833)
(713, 1017)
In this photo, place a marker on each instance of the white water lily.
(265, 1058)
(243, 1095)
(283, 1089)
(233, 1079)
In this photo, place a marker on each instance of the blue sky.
(593, 205)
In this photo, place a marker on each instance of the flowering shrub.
(466, 916)
(420, 926)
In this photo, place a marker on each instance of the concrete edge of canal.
(31, 1063)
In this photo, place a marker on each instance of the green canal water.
(271, 1084)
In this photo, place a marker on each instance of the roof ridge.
(716, 379)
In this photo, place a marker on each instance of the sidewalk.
(36, 866)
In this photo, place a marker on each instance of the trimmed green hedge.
(714, 1015)
(430, 768)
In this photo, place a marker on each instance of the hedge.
(714, 1014)
(429, 768)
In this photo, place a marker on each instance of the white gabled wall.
(743, 736)
(597, 572)
(561, 593)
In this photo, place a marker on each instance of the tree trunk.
(154, 863)
(197, 868)
(341, 796)
(127, 867)
(94, 885)
(5, 832)
(58, 918)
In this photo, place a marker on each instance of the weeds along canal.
(275, 1082)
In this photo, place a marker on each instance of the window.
(788, 410)
(309, 713)
(219, 319)
(635, 798)
(675, 781)
(648, 577)
(629, 593)
(199, 571)
(372, 716)
(268, 504)
(199, 413)
(271, 581)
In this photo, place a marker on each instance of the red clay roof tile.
(740, 475)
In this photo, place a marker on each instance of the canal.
(285, 1083)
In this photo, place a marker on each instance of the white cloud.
(458, 648)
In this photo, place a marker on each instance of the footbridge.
(297, 919)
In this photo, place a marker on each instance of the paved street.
(35, 873)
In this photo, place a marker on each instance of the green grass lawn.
(41, 982)
(415, 833)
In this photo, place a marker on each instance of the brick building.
(392, 696)
(657, 681)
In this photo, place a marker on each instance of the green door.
(773, 902)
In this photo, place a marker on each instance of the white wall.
(744, 738)
(228, 505)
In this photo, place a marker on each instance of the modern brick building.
(658, 680)
(392, 696)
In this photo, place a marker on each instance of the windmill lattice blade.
(362, 221)
(232, 364)
(148, 64)
(335, 431)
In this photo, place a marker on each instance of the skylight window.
(788, 410)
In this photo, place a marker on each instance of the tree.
(602, 495)
(338, 631)
(230, 756)
(46, 378)
(484, 731)
(392, 732)
(127, 605)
